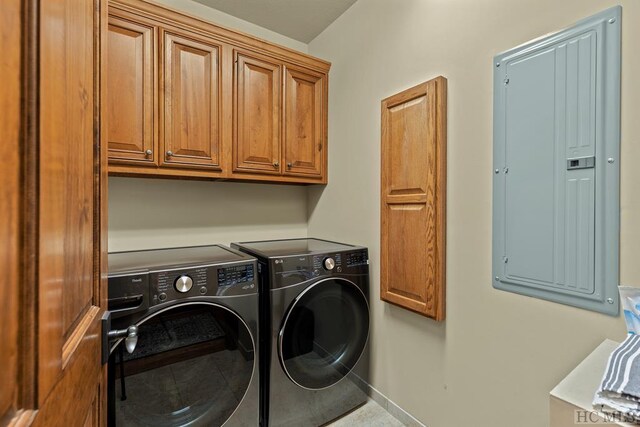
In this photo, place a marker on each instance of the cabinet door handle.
(276, 164)
(169, 153)
(148, 153)
(289, 165)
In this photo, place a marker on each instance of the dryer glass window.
(192, 366)
(324, 333)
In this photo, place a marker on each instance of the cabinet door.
(130, 91)
(256, 145)
(304, 123)
(191, 102)
(413, 198)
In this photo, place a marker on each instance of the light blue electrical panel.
(556, 166)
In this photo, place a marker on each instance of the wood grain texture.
(250, 124)
(191, 101)
(170, 16)
(66, 222)
(101, 198)
(413, 199)
(304, 128)
(194, 174)
(132, 97)
(71, 191)
(256, 143)
(10, 205)
(30, 205)
(76, 392)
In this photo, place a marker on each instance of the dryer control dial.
(329, 263)
(183, 283)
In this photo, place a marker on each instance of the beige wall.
(226, 20)
(154, 213)
(496, 357)
(146, 213)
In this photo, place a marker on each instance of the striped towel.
(619, 392)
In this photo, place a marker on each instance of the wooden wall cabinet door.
(256, 136)
(191, 102)
(304, 123)
(131, 92)
(191, 99)
(413, 199)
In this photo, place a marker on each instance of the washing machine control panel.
(183, 284)
(292, 270)
(322, 264)
(236, 275)
(223, 280)
(329, 263)
(358, 258)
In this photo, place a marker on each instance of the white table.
(575, 392)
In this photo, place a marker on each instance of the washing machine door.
(324, 333)
(192, 365)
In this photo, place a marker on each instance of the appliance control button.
(329, 263)
(203, 290)
(162, 297)
(183, 284)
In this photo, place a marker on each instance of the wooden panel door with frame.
(131, 84)
(256, 122)
(55, 248)
(413, 198)
(304, 123)
(191, 101)
(71, 214)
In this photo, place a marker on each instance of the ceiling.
(300, 20)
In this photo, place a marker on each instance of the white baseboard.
(387, 404)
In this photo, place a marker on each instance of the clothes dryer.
(314, 316)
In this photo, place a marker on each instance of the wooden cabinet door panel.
(191, 102)
(256, 145)
(413, 198)
(10, 202)
(304, 125)
(131, 91)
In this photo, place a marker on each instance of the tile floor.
(370, 415)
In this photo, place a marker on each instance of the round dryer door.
(324, 333)
(193, 365)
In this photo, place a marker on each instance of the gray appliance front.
(556, 156)
(291, 404)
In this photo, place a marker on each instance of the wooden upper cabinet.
(131, 91)
(413, 199)
(304, 123)
(191, 102)
(256, 142)
(208, 102)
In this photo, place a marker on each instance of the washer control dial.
(183, 283)
(329, 263)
